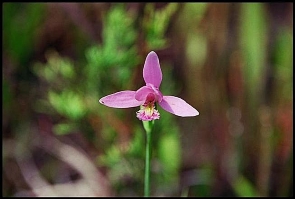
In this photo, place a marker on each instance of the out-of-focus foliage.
(232, 62)
(156, 23)
(111, 64)
(20, 29)
(282, 63)
(244, 188)
(253, 44)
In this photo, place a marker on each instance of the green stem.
(148, 126)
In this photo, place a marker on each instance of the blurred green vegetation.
(20, 29)
(232, 62)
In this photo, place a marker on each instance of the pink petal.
(122, 99)
(152, 73)
(142, 93)
(178, 106)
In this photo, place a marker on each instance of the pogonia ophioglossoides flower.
(148, 95)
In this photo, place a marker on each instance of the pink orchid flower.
(148, 95)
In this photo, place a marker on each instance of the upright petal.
(178, 106)
(152, 73)
(122, 99)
